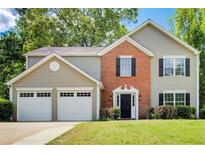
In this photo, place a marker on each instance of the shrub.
(151, 113)
(166, 112)
(185, 112)
(106, 114)
(192, 116)
(116, 113)
(5, 110)
(202, 113)
(156, 116)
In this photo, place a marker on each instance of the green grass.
(135, 132)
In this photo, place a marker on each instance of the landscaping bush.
(5, 110)
(116, 113)
(185, 112)
(202, 113)
(151, 113)
(106, 114)
(166, 112)
(156, 116)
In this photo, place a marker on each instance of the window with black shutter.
(160, 99)
(174, 98)
(187, 99)
(187, 67)
(125, 66)
(161, 67)
(117, 66)
(133, 66)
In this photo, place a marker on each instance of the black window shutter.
(160, 99)
(187, 99)
(117, 66)
(187, 67)
(161, 67)
(133, 66)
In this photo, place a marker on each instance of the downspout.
(197, 84)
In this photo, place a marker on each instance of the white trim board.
(125, 56)
(74, 88)
(167, 33)
(123, 39)
(33, 88)
(174, 56)
(45, 60)
(197, 84)
(174, 91)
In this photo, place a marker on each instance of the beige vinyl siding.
(65, 77)
(162, 45)
(32, 60)
(88, 64)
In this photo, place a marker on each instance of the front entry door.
(125, 106)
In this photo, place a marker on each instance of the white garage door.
(34, 106)
(74, 105)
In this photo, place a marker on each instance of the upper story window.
(125, 66)
(174, 66)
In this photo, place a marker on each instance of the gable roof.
(26, 72)
(66, 51)
(123, 39)
(99, 51)
(167, 33)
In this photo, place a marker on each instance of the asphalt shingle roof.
(66, 51)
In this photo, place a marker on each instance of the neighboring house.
(146, 68)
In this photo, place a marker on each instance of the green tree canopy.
(189, 25)
(12, 60)
(58, 27)
(72, 27)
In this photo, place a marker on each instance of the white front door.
(34, 106)
(74, 105)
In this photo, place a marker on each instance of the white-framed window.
(66, 94)
(43, 95)
(118, 100)
(133, 100)
(83, 94)
(174, 98)
(125, 67)
(174, 66)
(26, 94)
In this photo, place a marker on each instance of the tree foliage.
(189, 25)
(72, 27)
(58, 27)
(11, 60)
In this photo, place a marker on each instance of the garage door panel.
(75, 107)
(34, 108)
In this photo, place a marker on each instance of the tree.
(11, 60)
(58, 27)
(189, 25)
(72, 27)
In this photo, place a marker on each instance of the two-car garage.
(37, 105)
(55, 90)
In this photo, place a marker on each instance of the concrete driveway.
(32, 132)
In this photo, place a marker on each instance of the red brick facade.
(141, 81)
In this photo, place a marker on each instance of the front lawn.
(136, 132)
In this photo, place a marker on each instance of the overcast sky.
(161, 16)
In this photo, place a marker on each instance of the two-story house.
(146, 68)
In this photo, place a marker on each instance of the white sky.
(7, 19)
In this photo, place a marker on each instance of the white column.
(137, 105)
